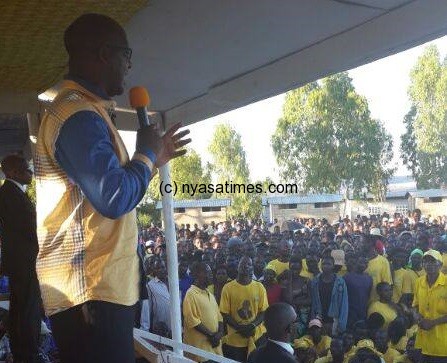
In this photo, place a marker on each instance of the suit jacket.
(19, 245)
(271, 353)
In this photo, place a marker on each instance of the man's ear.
(104, 54)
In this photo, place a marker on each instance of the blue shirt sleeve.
(85, 152)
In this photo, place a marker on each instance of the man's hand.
(427, 324)
(164, 147)
(215, 339)
(172, 142)
(247, 331)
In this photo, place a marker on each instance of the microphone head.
(139, 97)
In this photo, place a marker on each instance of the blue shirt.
(85, 152)
(359, 287)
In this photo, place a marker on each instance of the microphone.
(140, 100)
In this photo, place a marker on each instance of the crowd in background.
(360, 287)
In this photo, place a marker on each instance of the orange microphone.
(140, 100)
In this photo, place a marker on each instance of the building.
(199, 211)
(287, 207)
(431, 202)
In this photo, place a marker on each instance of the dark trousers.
(236, 353)
(433, 359)
(25, 315)
(95, 332)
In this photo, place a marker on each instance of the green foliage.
(146, 214)
(326, 140)
(31, 191)
(230, 165)
(184, 170)
(423, 145)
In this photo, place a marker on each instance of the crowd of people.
(363, 289)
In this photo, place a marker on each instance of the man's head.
(295, 265)
(159, 268)
(245, 268)
(278, 319)
(221, 275)
(315, 329)
(202, 274)
(327, 264)
(16, 168)
(361, 264)
(269, 276)
(98, 52)
(432, 262)
(381, 340)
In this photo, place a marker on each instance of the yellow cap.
(435, 254)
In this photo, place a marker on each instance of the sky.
(384, 83)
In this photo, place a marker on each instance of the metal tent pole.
(171, 251)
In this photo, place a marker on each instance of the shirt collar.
(284, 345)
(89, 86)
(20, 186)
(441, 280)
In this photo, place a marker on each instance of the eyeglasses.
(127, 52)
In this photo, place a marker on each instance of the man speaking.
(87, 191)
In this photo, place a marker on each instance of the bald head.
(15, 167)
(98, 52)
(277, 320)
(89, 32)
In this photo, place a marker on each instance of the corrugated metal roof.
(429, 193)
(192, 203)
(302, 199)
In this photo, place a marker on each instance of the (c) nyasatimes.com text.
(226, 188)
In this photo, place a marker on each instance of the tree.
(230, 166)
(326, 140)
(185, 170)
(423, 146)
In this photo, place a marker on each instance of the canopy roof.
(200, 58)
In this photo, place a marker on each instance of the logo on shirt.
(245, 312)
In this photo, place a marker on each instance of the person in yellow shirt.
(430, 301)
(242, 304)
(385, 306)
(202, 321)
(378, 266)
(414, 271)
(381, 344)
(401, 284)
(281, 264)
(320, 343)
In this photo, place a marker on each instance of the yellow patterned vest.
(82, 255)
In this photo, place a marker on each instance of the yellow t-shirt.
(278, 266)
(412, 276)
(379, 269)
(200, 306)
(326, 359)
(401, 284)
(388, 313)
(401, 345)
(243, 303)
(305, 271)
(391, 355)
(432, 304)
(444, 263)
(412, 331)
(321, 348)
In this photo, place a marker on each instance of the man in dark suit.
(278, 320)
(18, 258)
